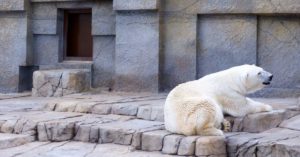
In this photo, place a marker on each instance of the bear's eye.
(259, 73)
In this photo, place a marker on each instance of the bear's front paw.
(226, 125)
(266, 108)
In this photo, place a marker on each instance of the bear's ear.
(245, 77)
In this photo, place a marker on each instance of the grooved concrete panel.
(279, 49)
(225, 41)
(103, 61)
(179, 49)
(137, 51)
(45, 48)
(103, 19)
(13, 49)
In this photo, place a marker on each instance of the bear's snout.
(270, 77)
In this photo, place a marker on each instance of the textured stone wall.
(14, 39)
(137, 45)
(201, 37)
(137, 51)
(153, 45)
(47, 29)
(225, 41)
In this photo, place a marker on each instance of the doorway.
(78, 40)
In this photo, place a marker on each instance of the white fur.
(197, 107)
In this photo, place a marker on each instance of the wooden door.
(78, 39)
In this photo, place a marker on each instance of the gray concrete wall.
(153, 45)
(230, 33)
(15, 37)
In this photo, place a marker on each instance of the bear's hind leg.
(206, 123)
(211, 131)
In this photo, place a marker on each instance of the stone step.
(13, 140)
(123, 130)
(76, 149)
(153, 110)
(144, 109)
(49, 83)
(147, 107)
(68, 65)
(276, 142)
(139, 134)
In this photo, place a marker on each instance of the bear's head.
(255, 78)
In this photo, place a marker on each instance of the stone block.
(114, 135)
(50, 83)
(60, 131)
(104, 62)
(210, 145)
(13, 140)
(171, 144)
(229, 40)
(77, 127)
(94, 134)
(293, 123)
(187, 145)
(157, 113)
(179, 49)
(85, 107)
(83, 133)
(75, 81)
(66, 106)
(153, 141)
(144, 112)
(8, 126)
(42, 133)
(129, 109)
(124, 132)
(278, 41)
(102, 109)
(262, 121)
(263, 144)
(137, 52)
(135, 4)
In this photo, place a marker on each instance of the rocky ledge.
(128, 124)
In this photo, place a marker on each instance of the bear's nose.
(270, 78)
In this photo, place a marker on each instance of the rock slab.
(56, 83)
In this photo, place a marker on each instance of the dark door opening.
(78, 41)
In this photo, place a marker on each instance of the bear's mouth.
(266, 83)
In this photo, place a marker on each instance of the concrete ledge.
(12, 5)
(56, 0)
(277, 92)
(135, 4)
(232, 6)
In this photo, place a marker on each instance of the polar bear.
(197, 107)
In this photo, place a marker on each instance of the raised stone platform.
(56, 83)
(118, 121)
